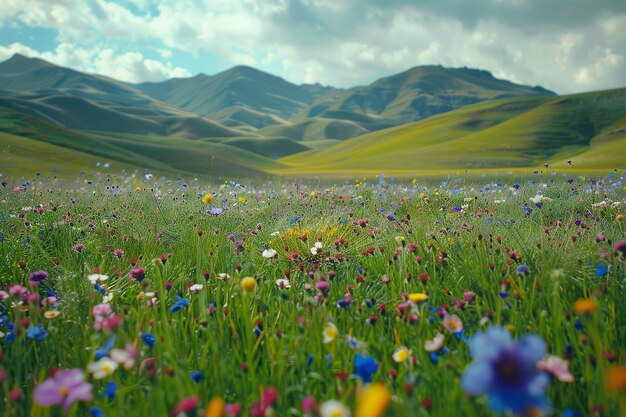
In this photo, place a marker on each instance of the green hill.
(164, 154)
(316, 129)
(419, 93)
(240, 87)
(91, 102)
(519, 132)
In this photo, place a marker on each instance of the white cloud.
(342, 43)
(130, 67)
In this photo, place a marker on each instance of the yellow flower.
(248, 284)
(312, 193)
(422, 196)
(510, 328)
(585, 305)
(208, 198)
(138, 188)
(418, 297)
(619, 218)
(242, 200)
(215, 407)
(401, 354)
(373, 401)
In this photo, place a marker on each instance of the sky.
(567, 46)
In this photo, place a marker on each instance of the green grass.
(243, 343)
(162, 154)
(502, 134)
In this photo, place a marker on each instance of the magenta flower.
(63, 388)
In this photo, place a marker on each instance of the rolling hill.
(506, 133)
(29, 144)
(91, 102)
(241, 88)
(244, 122)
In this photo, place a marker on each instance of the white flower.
(436, 344)
(330, 332)
(539, 197)
(269, 253)
(316, 248)
(95, 278)
(102, 368)
(223, 276)
(283, 283)
(334, 408)
(195, 288)
(107, 298)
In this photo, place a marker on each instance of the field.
(130, 295)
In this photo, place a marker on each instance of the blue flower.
(109, 390)
(196, 376)
(505, 370)
(98, 288)
(294, 220)
(148, 339)
(37, 332)
(96, 412)
(180, 304)
(602, 270)
(364, 367)
(105, 350)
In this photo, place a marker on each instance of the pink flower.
(101, 310)
(232, 410)
(63, 388)
(556, 366)
(17, 290)
(453, 323)
(126, 356)
(187, 404)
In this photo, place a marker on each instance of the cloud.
(130, 66)
(565, 45)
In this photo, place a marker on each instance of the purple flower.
(215, 211)
(37, 277)
(138, 274)
(63, 388)
(506, 371)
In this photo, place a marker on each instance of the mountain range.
(243, 121)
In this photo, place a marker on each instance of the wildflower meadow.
(135, 295)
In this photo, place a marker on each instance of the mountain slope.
(520, 132)
(92, 102)
(241, 87)
(419, 93)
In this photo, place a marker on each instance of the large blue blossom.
(506, 371)
(364, 367)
